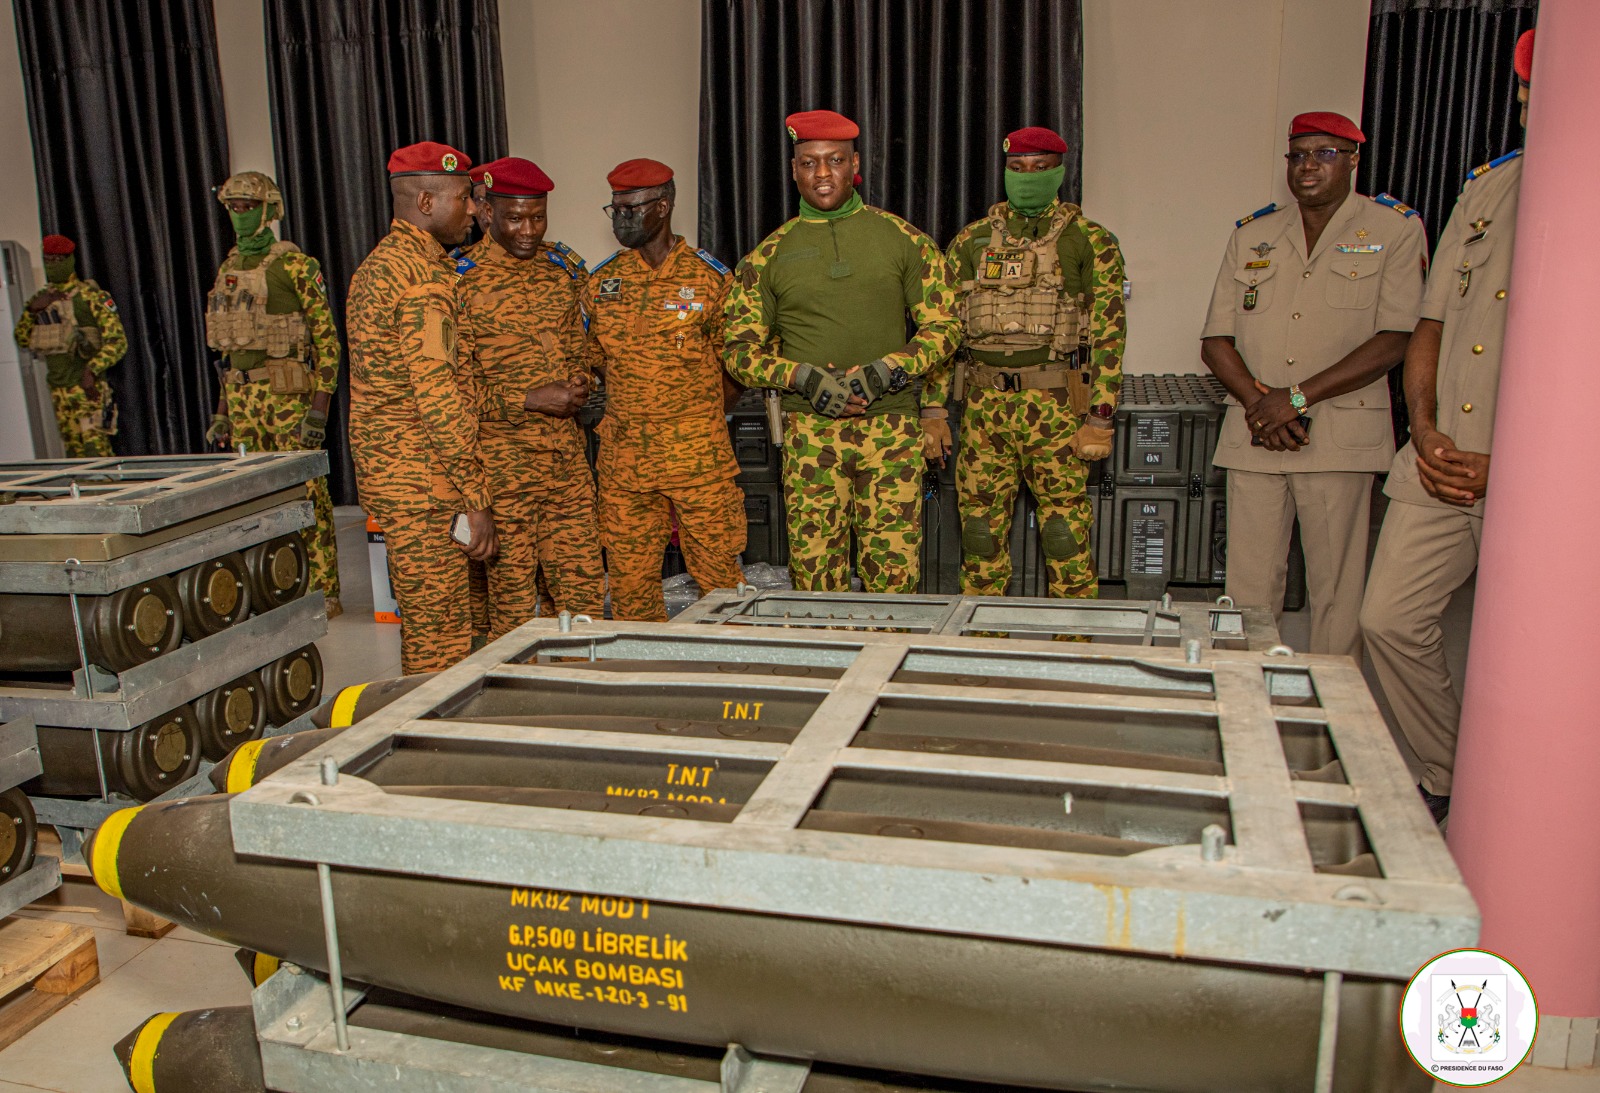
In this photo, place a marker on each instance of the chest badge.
(686, 292)
(232, 281)
(1250, 298)
(1263, 249)
(610, 287)
(1362, 233)
(1479, 224)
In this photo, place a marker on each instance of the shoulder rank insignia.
(565, 262)
(1263, 211)
(605, 261)
(1396, 204)
(709, 259)
(1479, 172)
(463, 263)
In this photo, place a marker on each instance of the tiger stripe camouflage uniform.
(834, 292)
(277, 356)
(664, 445)
(414, 436)
(1011, 436)
(77, 331)
(528, 331)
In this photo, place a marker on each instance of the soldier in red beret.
(819, 309)
(1040, 290)
(73, 325)
(1429, 543)
(1313, 305)
(655, 325)
(522, 297)
(413, 410)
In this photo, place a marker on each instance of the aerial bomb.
(979, 1009)
(38, 633)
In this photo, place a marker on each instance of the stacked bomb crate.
(23, 878)
(153, 614)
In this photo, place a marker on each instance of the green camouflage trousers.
(265, 422)
(1008, 437)
(82, 420)
(860, 475)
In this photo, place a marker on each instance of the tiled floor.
(71, 1052)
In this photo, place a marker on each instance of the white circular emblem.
(686, 292)
(1468, 1017)
(449, 161)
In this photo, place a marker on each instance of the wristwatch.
(1103, 410)
(1297, 398)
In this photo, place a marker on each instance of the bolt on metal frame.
(1258, 900)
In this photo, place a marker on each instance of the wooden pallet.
(43, 967)
(136, 920)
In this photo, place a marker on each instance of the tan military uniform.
(1291, 315)
(1428, 547)
(664, 446)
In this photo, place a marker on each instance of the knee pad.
(977, 541)
(1059, 540)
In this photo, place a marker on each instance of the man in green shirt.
(1040, 288)
(819, 309)
(73, 325)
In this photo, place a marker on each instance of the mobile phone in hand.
(461, 530)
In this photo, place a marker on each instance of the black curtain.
(129, 137)
(934, 84)
(349, 82)
(1441, 99)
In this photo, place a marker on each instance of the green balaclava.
(59, 268)
(1030, 192)
(251, 231)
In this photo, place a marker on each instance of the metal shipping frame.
(1258, 900)
(19, 761)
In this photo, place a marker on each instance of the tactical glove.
(1092, 441)
(314, 429)
(819, 387)
(221, 430)
(876, 379)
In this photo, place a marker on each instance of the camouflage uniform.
(268, 315)
(78, 331)
(414, 436)
(527, 329)
(664, 446)
(1011, 436)
(834, 293)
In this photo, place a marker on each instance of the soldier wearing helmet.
(268, 315)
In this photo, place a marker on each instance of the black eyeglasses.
(626, 212)
(1322, 155)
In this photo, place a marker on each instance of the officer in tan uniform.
(655, 325)
(1312, 307)
(1429, 543)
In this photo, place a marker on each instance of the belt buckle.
(1008, 381)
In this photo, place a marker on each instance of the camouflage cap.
(253, 186)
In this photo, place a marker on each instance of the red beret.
(1033, 141)
(1522, 60)
(57, 245)
(1326, 121)
(821, 125)
(428, 158)
(638, 174)
(513, 177)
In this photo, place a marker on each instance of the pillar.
(1525, 811)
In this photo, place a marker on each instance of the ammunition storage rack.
(19, 761)
(1258, 866)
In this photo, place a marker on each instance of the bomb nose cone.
(137, 1050)
(100, 850)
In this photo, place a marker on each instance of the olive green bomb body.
(957, 1007)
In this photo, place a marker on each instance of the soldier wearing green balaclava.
(1037, 378)
(268, 315)
(73, 324)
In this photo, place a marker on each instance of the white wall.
(1186, 105)
(1186, 112)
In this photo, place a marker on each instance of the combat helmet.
(254, 186)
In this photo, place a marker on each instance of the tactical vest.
(56, 329)
(236, 311)
(1016, 299)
